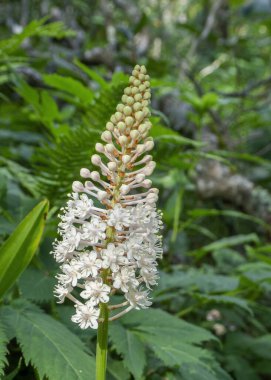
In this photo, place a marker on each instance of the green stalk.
(101, 349)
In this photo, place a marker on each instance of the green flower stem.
(101, 350)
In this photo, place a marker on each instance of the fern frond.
(58, 165)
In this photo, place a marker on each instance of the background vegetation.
(63, 66)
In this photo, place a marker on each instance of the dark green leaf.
(130, 347)
(44, 340)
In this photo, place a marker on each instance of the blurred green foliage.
(62, 73)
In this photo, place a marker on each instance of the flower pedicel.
(112, 245)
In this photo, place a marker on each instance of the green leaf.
(261, 346)
(92, 74)
(70, 85)
(195, 278)
(130, 347)
(117, 369)
(59, 164)
(3, 349)
(194, 362)
(35, 28)
(198, 372)
(209, 100)
(161, 133)
(241, 368)
(50, 347)
(227, 300)
(224, 243)
(173, 340)
(160, 323)
(43, 289)
(176, 353)
(197, 213)
(18, 250)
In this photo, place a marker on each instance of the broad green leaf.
(48, 107)
(245, 156)
(50, 347)
(224, 243)
(261, 346)
(18, 250)
(43, 104)
(43, 289)
(198, 372)
(70, 85)
(130, 347)
(3, 348)
(194, 360)
(241, 368)
(195, 278)
(227, 300)
(161, 133)
(258, 272)
(228, 259)
(201, 104)
(197, 213)
(159, 323)
(176, 353)
(28, 93)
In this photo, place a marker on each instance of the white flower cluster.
(113, 247)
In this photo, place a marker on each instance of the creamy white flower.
(88, 264)
(124, 279)
(86, 316)
(96, 292)
(149, 276)
(138, 298)
(113, 257)
(146, 262)
(70, 274)
(61, 292)
(94, 230)
(118, 217)
(113, 247)
(133, 246)
(81, 205)
(63, 250)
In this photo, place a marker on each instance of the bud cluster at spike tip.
(110, 225)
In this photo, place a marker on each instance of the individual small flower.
(70, 274)
(96, 292)
(110, 226)
(61, 292)
(138, 298)
(113, 257)
(63, 250)
(93, 231)
(86, 316)
(124, 279)
(81, 205)
(118, 217)
(149, 276)
(88, 264)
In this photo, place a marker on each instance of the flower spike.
(110, 226)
